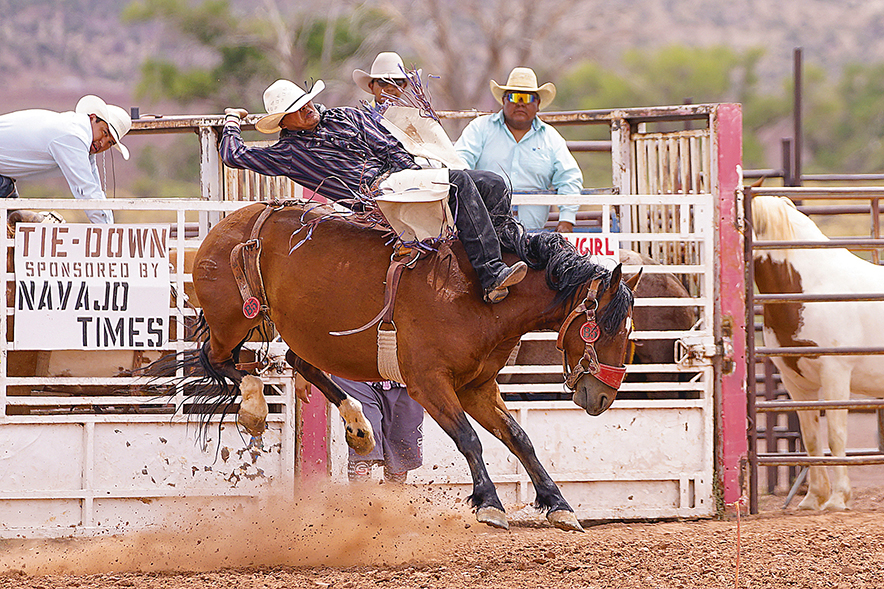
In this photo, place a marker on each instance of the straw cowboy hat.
(281, 98)
(523, 79)
(118, 120)
(387, 66)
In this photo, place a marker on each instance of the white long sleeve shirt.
(37, 142)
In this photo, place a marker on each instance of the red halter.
(589, 332)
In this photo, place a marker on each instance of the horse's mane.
(775, 218)
(567, 271)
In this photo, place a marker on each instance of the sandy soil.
(395, 539)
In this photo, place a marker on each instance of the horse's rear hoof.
(253, 408)
(360, 440)
(564, 520)
(493, 517)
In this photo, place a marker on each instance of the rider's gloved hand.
(235, 114)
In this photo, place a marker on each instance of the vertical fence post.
(732, 410)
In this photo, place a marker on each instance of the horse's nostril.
(603, 401)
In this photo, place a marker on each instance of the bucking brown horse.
(317, 278)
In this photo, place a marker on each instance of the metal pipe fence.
(773, 407)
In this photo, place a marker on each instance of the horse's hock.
(654, 453)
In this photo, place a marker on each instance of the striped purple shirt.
(347, 151)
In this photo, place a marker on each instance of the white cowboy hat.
(523, 79)
(118, 120)
(387, 66)
(281, 98)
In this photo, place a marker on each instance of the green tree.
(673, 74)
(249, 52)
(843, 123)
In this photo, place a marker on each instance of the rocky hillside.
(56, 50)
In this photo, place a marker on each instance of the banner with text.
(602, 248)
(91, 287)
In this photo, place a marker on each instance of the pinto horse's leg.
(835, 381)
(439, 399)
(359, 434)
(818, 489)
(485, 405)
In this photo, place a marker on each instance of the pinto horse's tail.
(207, 391)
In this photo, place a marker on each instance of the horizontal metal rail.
(818, 298)
(834, 243)
(828, 193)
(816, 351)
(779, 406)
(785, 459)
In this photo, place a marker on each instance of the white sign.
(602, 248)
(91, 287)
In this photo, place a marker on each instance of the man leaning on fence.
(39, 142)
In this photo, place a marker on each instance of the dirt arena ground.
(404, 539)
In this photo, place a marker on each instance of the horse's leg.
(484, 404)
(818, 489)
(358, 433)
(253, 410)
(835, 382)
(438, 398)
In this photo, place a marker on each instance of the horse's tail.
(208, 392)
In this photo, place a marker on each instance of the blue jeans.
(7, 188)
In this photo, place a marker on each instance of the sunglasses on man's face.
(387, 83)
(520, 97)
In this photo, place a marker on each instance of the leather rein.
(589, 333)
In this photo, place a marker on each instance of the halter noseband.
(589, 333)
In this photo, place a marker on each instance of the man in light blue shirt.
(38, 142)
(531, 154)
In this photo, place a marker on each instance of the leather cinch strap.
(394, 273)
(245, 263)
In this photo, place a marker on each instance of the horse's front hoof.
(493, 517)
(564, 520)
(360, 440)
(811, 503)
(835, 504)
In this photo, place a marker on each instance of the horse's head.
(595, 335)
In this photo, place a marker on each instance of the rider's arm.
(236, 154)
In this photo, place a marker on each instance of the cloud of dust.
(334, 525)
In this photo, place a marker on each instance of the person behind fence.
(386, 80)
(342, 153)
(530, 153)
(397, 421)
(39, 142)
(395, 418)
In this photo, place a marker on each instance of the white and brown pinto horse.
(818, 324)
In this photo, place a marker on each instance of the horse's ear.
(632, 283)
(616, 276)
